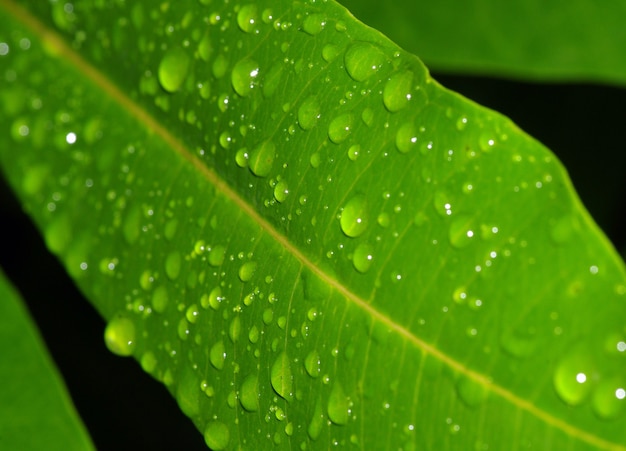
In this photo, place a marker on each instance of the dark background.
(124, 408)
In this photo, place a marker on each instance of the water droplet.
(281, 191)
(363, 257)
(354, 151)
(248, 18)
(249, 393)
(315, 160)
(314, 24)
(471, 392)
(309, 113)
(253, 335)
(574, 376)
(172, 265)
(216, 255)
(281, 377)
(272, 80)
(148, 362)
(217, 355)
(406, 138)
(564, 229)
(462, 231)
(354, 216)
(183, 329)
(173, 69)
(362, 60)
(192, 313)
(262, 159)
(160, 299)
(313, 364)
(243, 76)
(247, 270)
(317, 422)
(340, 128)
(338, 405)
(119, 336)
(518, 343)
(216, 435)
(486, 142)
(441, 200)
(609, 398)
(397, 91)
(268, 316)
(330, 52)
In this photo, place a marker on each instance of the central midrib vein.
(53, 40)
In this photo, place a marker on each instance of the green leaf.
(306, 238)
(577, 40)
(36, 410)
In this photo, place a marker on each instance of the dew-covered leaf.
(304, 237)
(578, 40)
(36, 411)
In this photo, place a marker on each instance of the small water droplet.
(216, 435)
(235, 329)
(217, 355)
(253, 335)
(160, 299)
(406, 138)
(564, 229)
(281, 191)
(340, 128)
(398, 91)
(173, 69)
(574, 376)
(249, 393)
(315, 160)
(244, 76)
(148, 362)
(442, 203)
(313, 364)
(330, 52)
(192, 313)
(309, 113)
(247, 270)
(216, 255)
(354, 151)
(262, 159)
(119, 336)
(172, 265)
(362, 60)
(355, 216)
(338, 405)
(248, 18)
(486, 142)
(363, 257)
(281, 377)
(313, 24)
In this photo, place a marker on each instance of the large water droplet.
(338, 405)
(249, 393)
(398, 91)
(262, 159)
(317, 422)
(217, 355)
(309, 113)
(363, 257)
(462, 231)
(406, 138)
(119, 336)
(609, 398)
(216, 255)
(247, 270)
(216, 435)
(172, 265)
(173, 69)
(248, 18)
(313, 24)
(340, 128)
(281, 191)
(281, 377)
(355, 216)
(362, 60)
(330, 52)
(471, 392)
(312, 364)
(574, 376)
(244, 75)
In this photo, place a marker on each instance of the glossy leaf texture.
(36, 411)
(308, 240)
(580, 40)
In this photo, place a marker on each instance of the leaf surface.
(305, 237)
(552, 40)
(36, 411)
